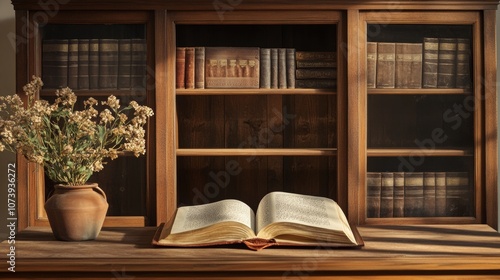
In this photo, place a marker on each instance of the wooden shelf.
(419, 152)
(98, 92)
(256, 152)
(260, 91)
(409, 91)
(390, 252)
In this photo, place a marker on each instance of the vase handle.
(100, 191)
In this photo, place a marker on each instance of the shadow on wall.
(7, 86)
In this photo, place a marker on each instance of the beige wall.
(7, 83)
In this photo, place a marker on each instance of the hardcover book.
(199, 67)
(440, 194)
(386, 65)
(281, 219)
(124, 63)
(73, 63)
(408, 65)
(55, 63)
(414, 194)
(429, 206)
(83, 64)
(458, 194)
(180, 68)
(373, 193)
(316, 73)
(108, 63)
(463, 64)
(371, 64)
(290, 68)
(265, 68)
(228, 67)
(316, 83)
(190, 67)
(282, 70)
(430, 62)
(139, 63)
(387, 195)
(310, 55)
(399, 194)
(447, 63)
(94, 63)
(274, 68)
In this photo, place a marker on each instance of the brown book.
(408, 65)
(190, 67)
(387, 195)
(124, 63)
(265, 68)
(315, 64)
(180, 67)
(414, 194)
(386, 65)
(290, 68)
(199, 67)
(371, 64)
(55, 63)
(274, 68)
(94, 63)
(316, 73)
(281, 219)
(463, 64)
(430, 62)
(108, 63)
(399, 194)
(311, 55)
(458, 194)
(83, 64)
(447, 63)
(316, 83)
(429, 194)
(440, 194)
(229, 67)
(138, 63)
(282, 70)
(373, 194)
(73, 63)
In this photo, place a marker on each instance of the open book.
(282, 219)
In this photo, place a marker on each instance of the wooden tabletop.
(389, 250)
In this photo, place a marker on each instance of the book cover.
(373, 194)
(199, 67)
(274, 68)
(440, 194)
(316, 83)
(387, 195)
(399, 194)
(463, 64)
(316, 73)
(190, 67)
(447, 63)
(430, 62)
(429, 194)
(243, 71)
(315, 64)
(108, 63)
(458, 194)
(312, 55)
(414, 194)
(94, 63)
(265, 68)
(138, 63)
(282, 70)
(55, 63)
(180, 67)
(290, 68)
(408, 65)
(83, 64)
(124, 63)
(386, 65)
(73, 63)
(371, 64)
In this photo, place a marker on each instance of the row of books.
(418, 194)
(435, 63)
(253, 67)
(86, 64)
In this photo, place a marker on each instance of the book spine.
(316, 73)
(180, 69)
(190, 68)
(124, 63)
(290, 68)
(138, 64)
(282, 70)
(199, 66)
(373, 194)
(108, 63)
(414, 194)
(315, 83)
(55, 63)
(408, 72)
(387, 195)
(440, 194)
(463, 64)
(447, 63)
(386, 65)
(316, 64)
(265, 69)
(429, 206)
(83, 64)
(73, 63)
(399, 194)
(94, 63)
(310, 55)
(430, 62)
(274, 68)
(458, 194)
(371, 64)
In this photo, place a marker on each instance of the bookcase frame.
(161, 16)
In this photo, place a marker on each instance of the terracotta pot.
(76, 213)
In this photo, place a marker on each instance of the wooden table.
(390, 252)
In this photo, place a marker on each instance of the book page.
(200, 216)
(295, 208)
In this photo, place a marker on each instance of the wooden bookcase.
(209, 144)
